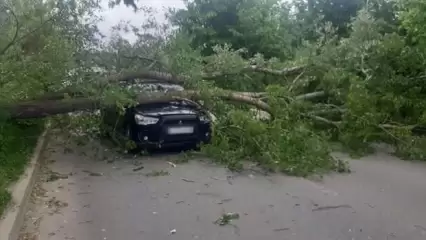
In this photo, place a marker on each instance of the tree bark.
(40, 109)
(44, 108)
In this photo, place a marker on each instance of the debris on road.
(331, 207)
(84, 193)
(173, 231)
(56, 205)
(420, 227)
(172, 164)
(226, 219)
(54, 176)
(156, 173)
(224, 200)
(187, 180)
(86, 222)
(209, 194)
(229, 179)
(138, 168)
(93, 174)
(281, 229)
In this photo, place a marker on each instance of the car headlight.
(144, 120)
(204, 118)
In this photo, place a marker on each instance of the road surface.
(87, 194)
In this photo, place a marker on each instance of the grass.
(17, 141)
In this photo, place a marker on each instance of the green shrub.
(17, 141)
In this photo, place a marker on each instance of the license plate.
(180, 130)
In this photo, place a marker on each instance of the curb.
(13, 218)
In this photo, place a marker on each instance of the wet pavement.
(89, 194)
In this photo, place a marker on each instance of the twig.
(331, 207)
(254, 68)
(328, 111)
(140, 58)
(138, 168)
(15, 36)
(282, 72)
(151, 65)
(321, 119)
(187, 180)
(295, 80)
(311, 95)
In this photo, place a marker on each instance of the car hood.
(159, 110)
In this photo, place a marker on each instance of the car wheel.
(104, 131)
(193, 147)
(128, 132)
(129, 143)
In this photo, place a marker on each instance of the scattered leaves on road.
(54, 176)
(226, 219)
(156, 173)
(56, 205)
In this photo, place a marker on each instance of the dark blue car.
(175, 123)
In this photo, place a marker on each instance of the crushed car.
(163, 124)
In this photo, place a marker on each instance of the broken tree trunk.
(44, 108)
(69, 100)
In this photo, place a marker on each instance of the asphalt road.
(90, 195)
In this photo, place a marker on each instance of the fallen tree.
(45, 108)
(343, 91)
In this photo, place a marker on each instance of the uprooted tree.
(353, 84)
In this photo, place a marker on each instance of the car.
(155, 125)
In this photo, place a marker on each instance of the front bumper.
(156, 136)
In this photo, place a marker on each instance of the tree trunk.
(44, 108)
(40, 109)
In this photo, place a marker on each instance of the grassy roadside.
(17, 142)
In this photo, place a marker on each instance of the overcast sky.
(115, 15)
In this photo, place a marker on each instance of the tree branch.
(282, 72)
(15, 36)
(322, 120)
(147, 75)
(169, 78)
(309, 96)
(16, 39)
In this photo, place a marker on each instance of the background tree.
(258, 26)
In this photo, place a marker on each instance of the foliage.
(366, 60)
(17, 141)
(258, 26)
(287, 144)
